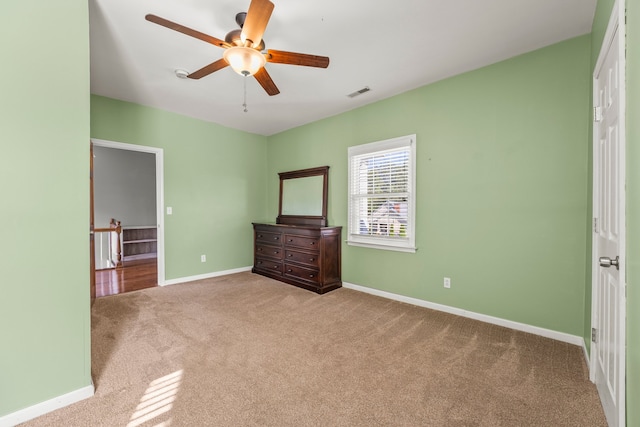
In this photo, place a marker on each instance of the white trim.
(369, 241)
(159, 153)
(547, 333)
(385, 247)
(47, 406)
(387, 144)
(205, 276)
(586, 354)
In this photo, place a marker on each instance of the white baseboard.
(586, 354)
(47, 406)
(205, 276)
(559, 336)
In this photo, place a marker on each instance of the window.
(382, 194)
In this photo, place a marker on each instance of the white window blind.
(382, 194)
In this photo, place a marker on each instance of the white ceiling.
(390, 46)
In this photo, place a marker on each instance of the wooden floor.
(135, 275)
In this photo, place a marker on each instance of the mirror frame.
(320, 220)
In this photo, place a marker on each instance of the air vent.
(359, 92)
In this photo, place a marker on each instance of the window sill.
(383, 247)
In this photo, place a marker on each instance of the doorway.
(139, 262)
(608, 319)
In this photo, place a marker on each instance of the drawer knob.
(311, 275)
(259, 249)
(289, 271)
(276, 252)
(259, 262)
(259, 235)
(275, 266)
(313, 243)
(312, 259)
(290, 255)
(290, 240)
(276, 238)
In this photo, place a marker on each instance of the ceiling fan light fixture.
(244, 60)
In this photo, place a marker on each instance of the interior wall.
(44, 179)
(501, 186)
(213, 180)
(124, 185)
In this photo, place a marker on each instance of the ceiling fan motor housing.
(234, 37)
(240, 17)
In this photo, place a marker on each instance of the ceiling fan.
(244, 48)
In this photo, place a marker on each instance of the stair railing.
(113, 256)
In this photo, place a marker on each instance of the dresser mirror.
(303, 197)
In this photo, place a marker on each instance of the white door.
(609, 299)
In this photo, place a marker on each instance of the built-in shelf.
(139, 242)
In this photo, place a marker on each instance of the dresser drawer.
(302, 257)
(301, 241)
(269, 251)
(308, 274)
(266, 237)
(269, 265)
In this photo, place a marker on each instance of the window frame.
(383, 242)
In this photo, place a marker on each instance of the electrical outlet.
(203, 258)
(169, 210)
(447, 282)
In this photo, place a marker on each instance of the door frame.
(92, 239)
(159, 154)
(616, 24)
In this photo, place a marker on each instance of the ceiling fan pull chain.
(245, 94)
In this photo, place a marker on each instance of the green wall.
(633, 213)
(213, 180)
(502, 160)
(44, 176)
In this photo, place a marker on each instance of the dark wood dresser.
(301, 255)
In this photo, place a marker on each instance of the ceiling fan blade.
(281, 57)
(211, 68)
(186, 30)
(256, 21)
(265, 81)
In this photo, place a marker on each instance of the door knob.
(605, 261)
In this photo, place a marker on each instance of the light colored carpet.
(245, 350)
